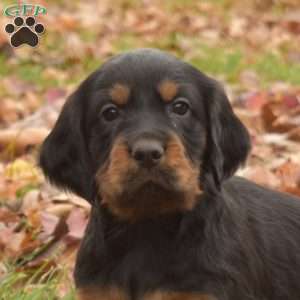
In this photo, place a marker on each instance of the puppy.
(153, 144)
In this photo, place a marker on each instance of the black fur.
(241, 241)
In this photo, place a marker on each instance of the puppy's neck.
(168, 225)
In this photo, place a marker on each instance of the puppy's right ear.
(64, 157)
(228, 141)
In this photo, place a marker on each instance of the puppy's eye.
(180, 107)
(110, 112)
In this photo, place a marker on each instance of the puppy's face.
(145, 135)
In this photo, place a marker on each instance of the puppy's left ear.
(64, 156)
(228, 141)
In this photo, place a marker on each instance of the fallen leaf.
(17, 141)
(60, 210)
(21, 169)
(49, 223)
(289, 174)
(77, 222)
(255, 100)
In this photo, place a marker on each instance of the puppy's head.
(145, 135)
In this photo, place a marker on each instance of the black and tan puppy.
(152, 144)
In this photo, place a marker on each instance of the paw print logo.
(24, 31)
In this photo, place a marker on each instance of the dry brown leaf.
(262, 176)
(291, 21)
(80, 202)
(22, 170)
(60, 210)
(255, 101)
(289, 174)
(282, 113)
(77, 222)
(11, 110)
(7, 216)
(294, 134)
(49, 223)
(31, 202)
(19, 140)
(291, 190)
(10, 241)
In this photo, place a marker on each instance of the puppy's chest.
(152, 269)
(114, 293)
(148, 278)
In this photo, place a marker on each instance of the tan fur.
(161, 295)
(112, 178)
(119, 94)
(187, 175)
(168, 89)
(96, 293)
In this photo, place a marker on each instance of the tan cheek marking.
(168, 90)
(110, 178)
(119, 94)
(96, 293)
(160, 295)
(187, 174)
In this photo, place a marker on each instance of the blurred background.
(251, 46)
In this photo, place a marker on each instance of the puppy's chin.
(147, 194)
(151, 180)
(148, 198)
(151, 193)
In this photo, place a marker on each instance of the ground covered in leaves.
(252, 48)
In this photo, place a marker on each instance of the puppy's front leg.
(103, 293)
(167, 295)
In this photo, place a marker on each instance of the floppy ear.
(63, 156)
(228, 141)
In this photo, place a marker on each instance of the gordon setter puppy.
(152, 143)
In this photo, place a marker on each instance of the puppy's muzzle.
(148, 175)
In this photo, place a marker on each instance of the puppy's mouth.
(132, 192)
(154, 178)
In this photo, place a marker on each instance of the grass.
(273, 68)
(226, 61)
(5, 68)
(230, 62)
(29, 71)
(40, 284)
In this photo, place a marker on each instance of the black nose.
(147, 152)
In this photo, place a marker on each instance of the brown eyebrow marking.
(119, 93)
(168, 89)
